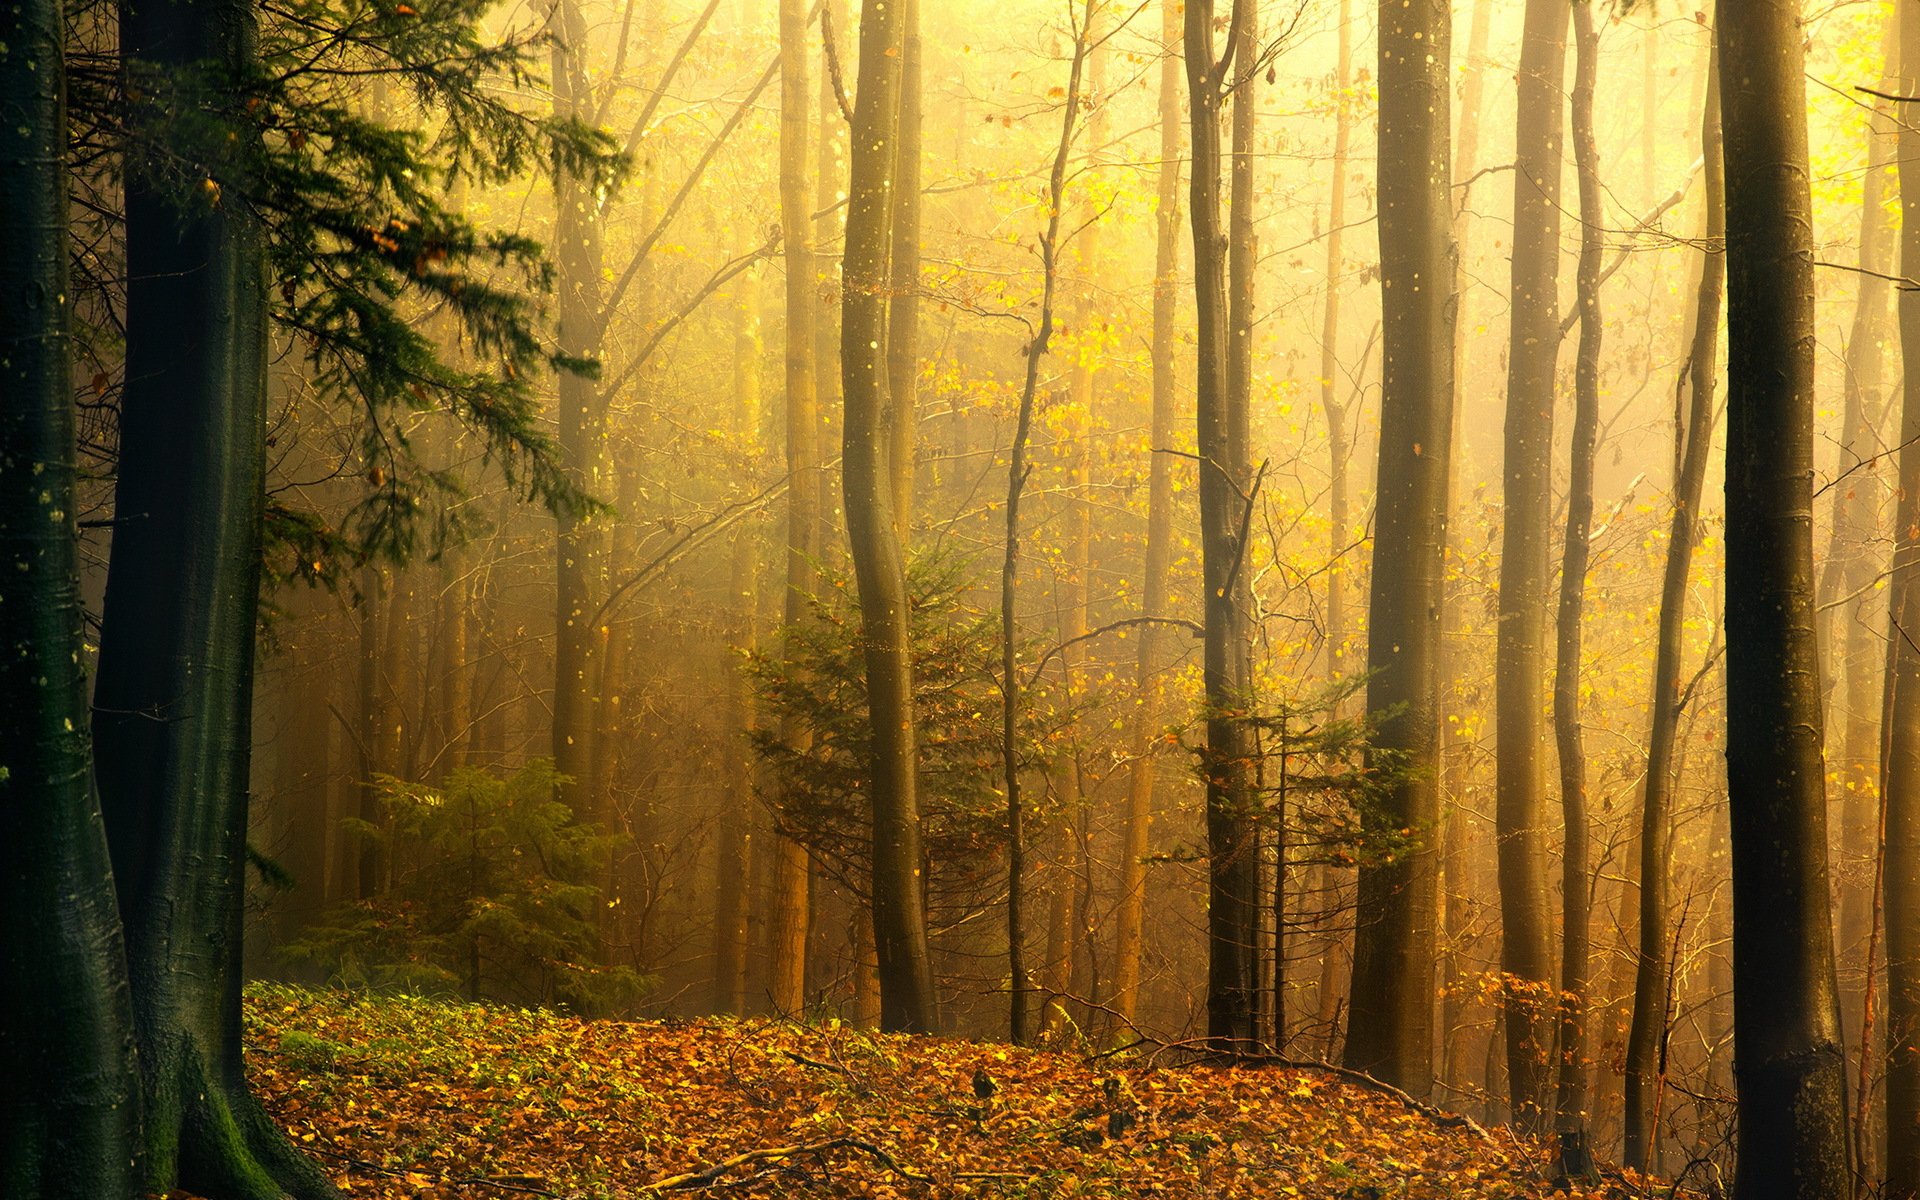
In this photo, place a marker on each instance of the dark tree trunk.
(1390, 1032)
(69, 1088)
(1233, 899)
(172, 722)
(899, 908)
(1571, 1099)
(1130, 918)
(1791, 1081)
(1851, 656)
(1694, 442)
(1901, 737)
(1525, 955)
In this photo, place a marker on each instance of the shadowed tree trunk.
(1390, 1033)
(1233, 900)
(177, 634)
(1850, 651)
(1791, 1082)
(69, 1088)
(1130, 917)
(1519, 681)
(899, 907)
(1901, 737)
(1694, 441)
(1570, 1109)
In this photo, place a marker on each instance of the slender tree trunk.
(1695, 440)
(1331, 402)
(1391, 1029)
(1850, 651)
(735, 835)
(454, 681)
(1456, 879)
(1901, 736)
(1233, 900)
(1576, 1157)
(375, 719)
(1525, 957)
(1130, 917)
(1791, 1084)
(578, 256)
(788, 934)
(899, 908)
(1018, 469)
(903, 310)
(69, 1084)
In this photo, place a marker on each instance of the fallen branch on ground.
(692, 1180)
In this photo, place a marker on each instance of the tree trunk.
(177, 636)
(731, 897)
(1130, 915)
(1233, 900)
(903, 310)
(1017, 471)
(1791, 1084)
(1854, 562)
(1454, 751)
(1901, 737)
(1694, 445)
(578, 257)
(1571, 1099)
(899, 907)
(788, 932)
(69, 1084)
(1525, 957)
(1390, 1033)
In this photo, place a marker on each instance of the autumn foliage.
(406, 1097)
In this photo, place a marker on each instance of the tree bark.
(1454, 751)
(788, 932)
(1018, 469)
(579, 259)
(1570, 1108)
(899, 908)
(1901, 736)
(69, 1083)
(731, 913)
(1233, 900)
(1694, 443)
(1390, 1033)
(1130, 915)
(1520, 673)
(177, 636)
(903, 309)
(1791, 1083)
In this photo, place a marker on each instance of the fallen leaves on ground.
(413, 1098)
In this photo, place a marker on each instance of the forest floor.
(417, 1098)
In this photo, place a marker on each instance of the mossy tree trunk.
(172, 720)
(69, 1088)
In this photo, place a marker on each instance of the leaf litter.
(403, 1097)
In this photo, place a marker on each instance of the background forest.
(758, 508)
